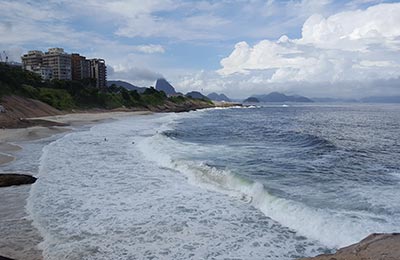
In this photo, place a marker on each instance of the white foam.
(332, 227)
(98, 199)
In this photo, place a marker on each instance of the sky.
(317, 48)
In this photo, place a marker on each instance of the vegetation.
(67, 95)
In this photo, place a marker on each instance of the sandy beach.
(19, 238)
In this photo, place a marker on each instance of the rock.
(10, 179)
(5, 258)
(374, 247)
(163, 85)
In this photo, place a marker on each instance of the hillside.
(24, 94)
(196, 95)
(17, 108)
(218, 97)
(124, 84)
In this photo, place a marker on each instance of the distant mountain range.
(278, 97)
(218, 97)
(126, 85)
(164, 85)
(374, 99)
(334, 100)
(381, 99)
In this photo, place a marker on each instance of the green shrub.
(177, 99)
(58, 98)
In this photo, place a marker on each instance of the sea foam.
(332, 227)
(98, 197)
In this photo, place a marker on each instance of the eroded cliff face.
(373, 247)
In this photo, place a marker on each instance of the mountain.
(381, 99)
(163, 85)
(196, 95)
(218, 97)
(126, 85)
(279, 97)
(251, 100)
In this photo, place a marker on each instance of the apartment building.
(59, 62)
(98, 71)
(80, 67)
(33, 61)
(56, 64)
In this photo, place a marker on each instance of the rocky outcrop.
(186, 106)
(373, 247)
(10, 179)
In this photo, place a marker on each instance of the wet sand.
(5, 149)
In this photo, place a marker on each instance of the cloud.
(354, 30)
(13, 54)
(358, 45)
(151, 48)
(132, 74)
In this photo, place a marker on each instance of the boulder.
(10, 179)
(374, 247)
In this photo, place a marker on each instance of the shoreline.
(20, 239)
(22, 243)
(5, 150)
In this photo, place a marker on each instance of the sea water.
(268, 182)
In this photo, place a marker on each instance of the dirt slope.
(17, 108)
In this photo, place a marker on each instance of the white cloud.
(354, 30)
(347, 46)
(140, 76)
(151, 48)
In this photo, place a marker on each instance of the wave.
(334, 228)
(305, 140)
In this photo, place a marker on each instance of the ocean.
(263, 182)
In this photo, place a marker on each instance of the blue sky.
(243, 47)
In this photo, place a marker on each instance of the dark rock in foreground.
(5, 258)
(10, 179)
(373, 247)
